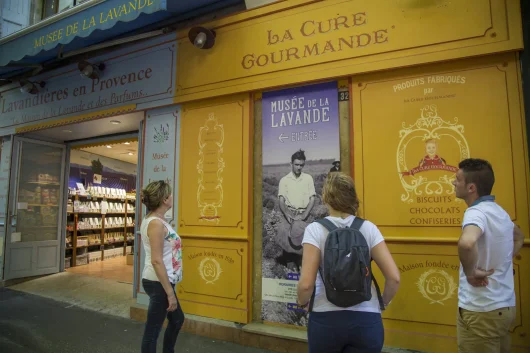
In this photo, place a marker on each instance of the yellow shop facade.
(412, 79)
(380, 85)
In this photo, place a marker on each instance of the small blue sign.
(293, 276)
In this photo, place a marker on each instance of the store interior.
(99, 215)
(101, 209)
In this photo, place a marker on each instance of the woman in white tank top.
(162, 269)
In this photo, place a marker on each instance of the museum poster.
(300, 148)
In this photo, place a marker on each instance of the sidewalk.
(30, 323)
(114, 298)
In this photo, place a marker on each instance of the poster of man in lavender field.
(300, 143)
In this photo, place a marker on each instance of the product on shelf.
(94, 256)
(94, 239)
(49, 215)
(28, 218)
(26, 196)
(81, 260)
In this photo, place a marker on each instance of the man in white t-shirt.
(297, 190)
(296, 193)
(489, 241)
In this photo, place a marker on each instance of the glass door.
(35, 226)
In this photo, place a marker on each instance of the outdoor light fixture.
(89, 70)
(201, 37)
(30, 87)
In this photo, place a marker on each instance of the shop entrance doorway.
(72, 203)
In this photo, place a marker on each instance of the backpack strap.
(357, 223)
(330, 227)
(312, 301)
(327, 224)
(379, 296)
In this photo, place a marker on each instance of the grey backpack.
(347, 271)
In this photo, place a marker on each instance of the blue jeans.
(345, 332)
(156, 314)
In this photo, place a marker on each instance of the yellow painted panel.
(431, 119)
(428, 290)
(422, 316)
(215, 283)
(214, 164)
(430, 125)
(357, 37)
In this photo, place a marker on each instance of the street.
(32, 324)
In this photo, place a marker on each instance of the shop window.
(53, 7)
(42, 9)
(19, 14)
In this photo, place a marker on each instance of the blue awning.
(95, 24)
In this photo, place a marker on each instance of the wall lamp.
(201, 37)
(30, 87)
(91, 71)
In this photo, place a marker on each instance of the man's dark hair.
(479, 172)
(300, 155)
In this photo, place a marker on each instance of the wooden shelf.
(47, 183)
(103, 197)
(119, 227)
(92, 245)
(99, 213)
(77, 247)
(76, 233)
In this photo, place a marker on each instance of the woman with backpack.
(336, 278)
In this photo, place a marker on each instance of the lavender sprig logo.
(161, 135)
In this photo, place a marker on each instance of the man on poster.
(297, 193)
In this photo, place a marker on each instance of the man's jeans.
(156, 315)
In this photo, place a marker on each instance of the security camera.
(201, 37)
(30, 87)
(89, 70)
